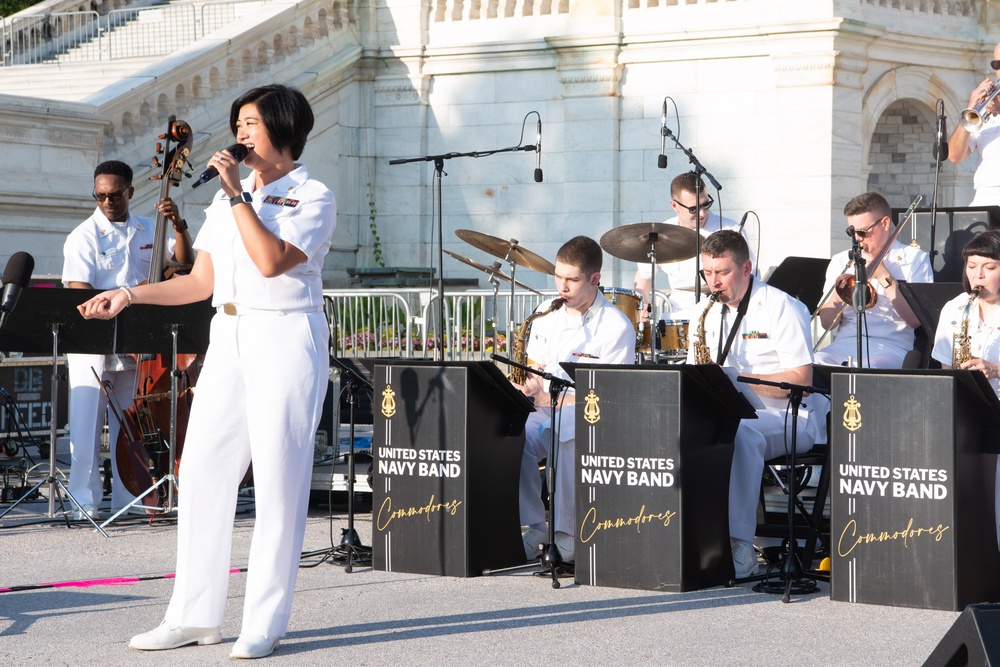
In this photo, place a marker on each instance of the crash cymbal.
(491, 270)
(508, 251)
(672, 243)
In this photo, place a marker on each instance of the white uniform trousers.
(259, 396)
(536, 448)
(880, 353)
(759, 440)
(87, 408)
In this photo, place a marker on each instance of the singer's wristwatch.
(242, 198)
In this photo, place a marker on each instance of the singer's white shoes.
(254, 646)
(166, 637)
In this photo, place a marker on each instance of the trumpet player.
(763, 333)
(889, 323)
(982, 139)
(969, 326)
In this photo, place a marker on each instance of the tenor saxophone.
(703, 355)
(520, 353)
(961, 343)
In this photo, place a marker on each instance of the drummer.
(680, 275)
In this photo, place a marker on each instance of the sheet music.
(744, 388)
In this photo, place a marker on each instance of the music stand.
(926, 301)
(161, 330)
(44, 312)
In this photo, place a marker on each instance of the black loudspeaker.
(974, 639)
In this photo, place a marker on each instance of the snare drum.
(673, 335)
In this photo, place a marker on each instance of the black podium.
(654, 447)
(913, 455)
(448, 440)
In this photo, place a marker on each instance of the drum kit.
(652, 242)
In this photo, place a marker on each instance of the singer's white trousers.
(259, 396)
(536, 448)
(87, 408)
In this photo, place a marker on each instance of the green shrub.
(8, 7)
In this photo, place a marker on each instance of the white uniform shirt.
(680, 275)
(107, 255)
(903, 262)
(603, 335)
(773, 335)
(984, 142)
(298, 210)
(984, 340)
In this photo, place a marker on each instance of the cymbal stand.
(52, 480)
(495, 282)
(550, 557)
(793, 578)
(654, 318)
(861, 294)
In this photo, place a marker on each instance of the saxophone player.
(977, 317)
(964, 141)
(764, 333)
(587, 328)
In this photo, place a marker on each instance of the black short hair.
(868, 202)
(582, 252)
(114, 168)
(986, 244)
(285, 112)
(726, 242)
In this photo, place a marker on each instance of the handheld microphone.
(16, 275)
(743, 221)
(941, 146)
(538, 151)
(661, 161)
(238, 151)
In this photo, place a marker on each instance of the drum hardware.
(493, 271)
(653, 242)
(515, 255)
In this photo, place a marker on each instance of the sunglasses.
(995, 64)
(114, 197)
(863, 233)
(694, 209)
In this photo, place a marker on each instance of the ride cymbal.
(508, 251)
(635, 242)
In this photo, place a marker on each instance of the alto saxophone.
(961, 343)
(520, 352)
(703, 355)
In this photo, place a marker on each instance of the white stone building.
(793, 105)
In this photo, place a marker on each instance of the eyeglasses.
(863, 233)
(115, 197)
(995, 64)
(694, 209)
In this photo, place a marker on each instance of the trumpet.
(973, 118)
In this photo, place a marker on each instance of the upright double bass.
(149, 426)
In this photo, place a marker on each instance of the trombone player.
(980, 136)
(889, 322)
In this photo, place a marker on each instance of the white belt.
(241, 310)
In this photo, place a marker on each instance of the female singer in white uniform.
(261, 390)
(982, 270)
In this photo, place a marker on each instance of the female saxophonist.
(968, 332)
(260, 393)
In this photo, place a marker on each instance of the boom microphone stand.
(861, 291)
(793, 577)
(550, 557)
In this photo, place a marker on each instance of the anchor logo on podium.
(852, 414)
(591, 412)
(388, 402)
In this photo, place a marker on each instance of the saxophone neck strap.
(741, 310)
